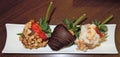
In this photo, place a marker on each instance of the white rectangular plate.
(13, 45)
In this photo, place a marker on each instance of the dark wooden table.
(21, 11)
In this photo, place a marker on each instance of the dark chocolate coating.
(60, 38)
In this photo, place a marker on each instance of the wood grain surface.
(21, 11)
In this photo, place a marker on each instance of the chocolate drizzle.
(60, 38)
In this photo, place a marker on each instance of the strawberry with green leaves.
(63, 35)
(36, 34)
(92, 35)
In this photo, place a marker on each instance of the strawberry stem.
(79, 19)
(48, 11)
(106, 20)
